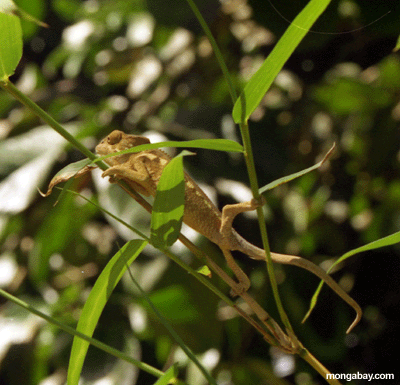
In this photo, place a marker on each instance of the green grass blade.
(290, 177)
(263, 78)
(207, 144)
(96, 301)
(386, 241)
(167, 214)
(11, 44)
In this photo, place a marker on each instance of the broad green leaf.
(11, 44)
(168, 207)
(290, 177)
(263, 78)
(386, 241)
(96, 301)
(170, 374)
(207, 144)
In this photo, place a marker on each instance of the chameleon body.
(142, 171)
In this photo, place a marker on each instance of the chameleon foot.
(238, 289)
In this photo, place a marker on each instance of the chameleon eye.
(114, 137)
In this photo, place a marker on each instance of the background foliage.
(139, 67)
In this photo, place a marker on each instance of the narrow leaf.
(167, 215)
(11, 44)
(96, 301)
(263, 78)
(207, 144)
(290, 177)
(386, 241)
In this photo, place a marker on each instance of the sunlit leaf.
(205, 270)
(207, 144)
(11, 44)
(96, 301)
(261, 81)
(167, 215)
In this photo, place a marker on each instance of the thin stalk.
(248, 155)
(216, 50)
(321, 369)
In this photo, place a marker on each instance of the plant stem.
(321, 369)
(248, 155)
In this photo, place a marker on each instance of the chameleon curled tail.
(259, 254)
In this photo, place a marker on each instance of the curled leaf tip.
(73, 170)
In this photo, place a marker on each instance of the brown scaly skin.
(142, 171)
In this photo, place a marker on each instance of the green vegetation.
(138, 67)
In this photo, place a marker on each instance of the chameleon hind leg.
(244, 281)
(229, 213)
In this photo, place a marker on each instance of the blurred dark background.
(146, 68)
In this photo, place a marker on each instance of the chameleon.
(142, 172)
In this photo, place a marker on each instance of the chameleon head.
(119, 141)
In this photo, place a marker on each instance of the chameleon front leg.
(229, 213)
(135, 177)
